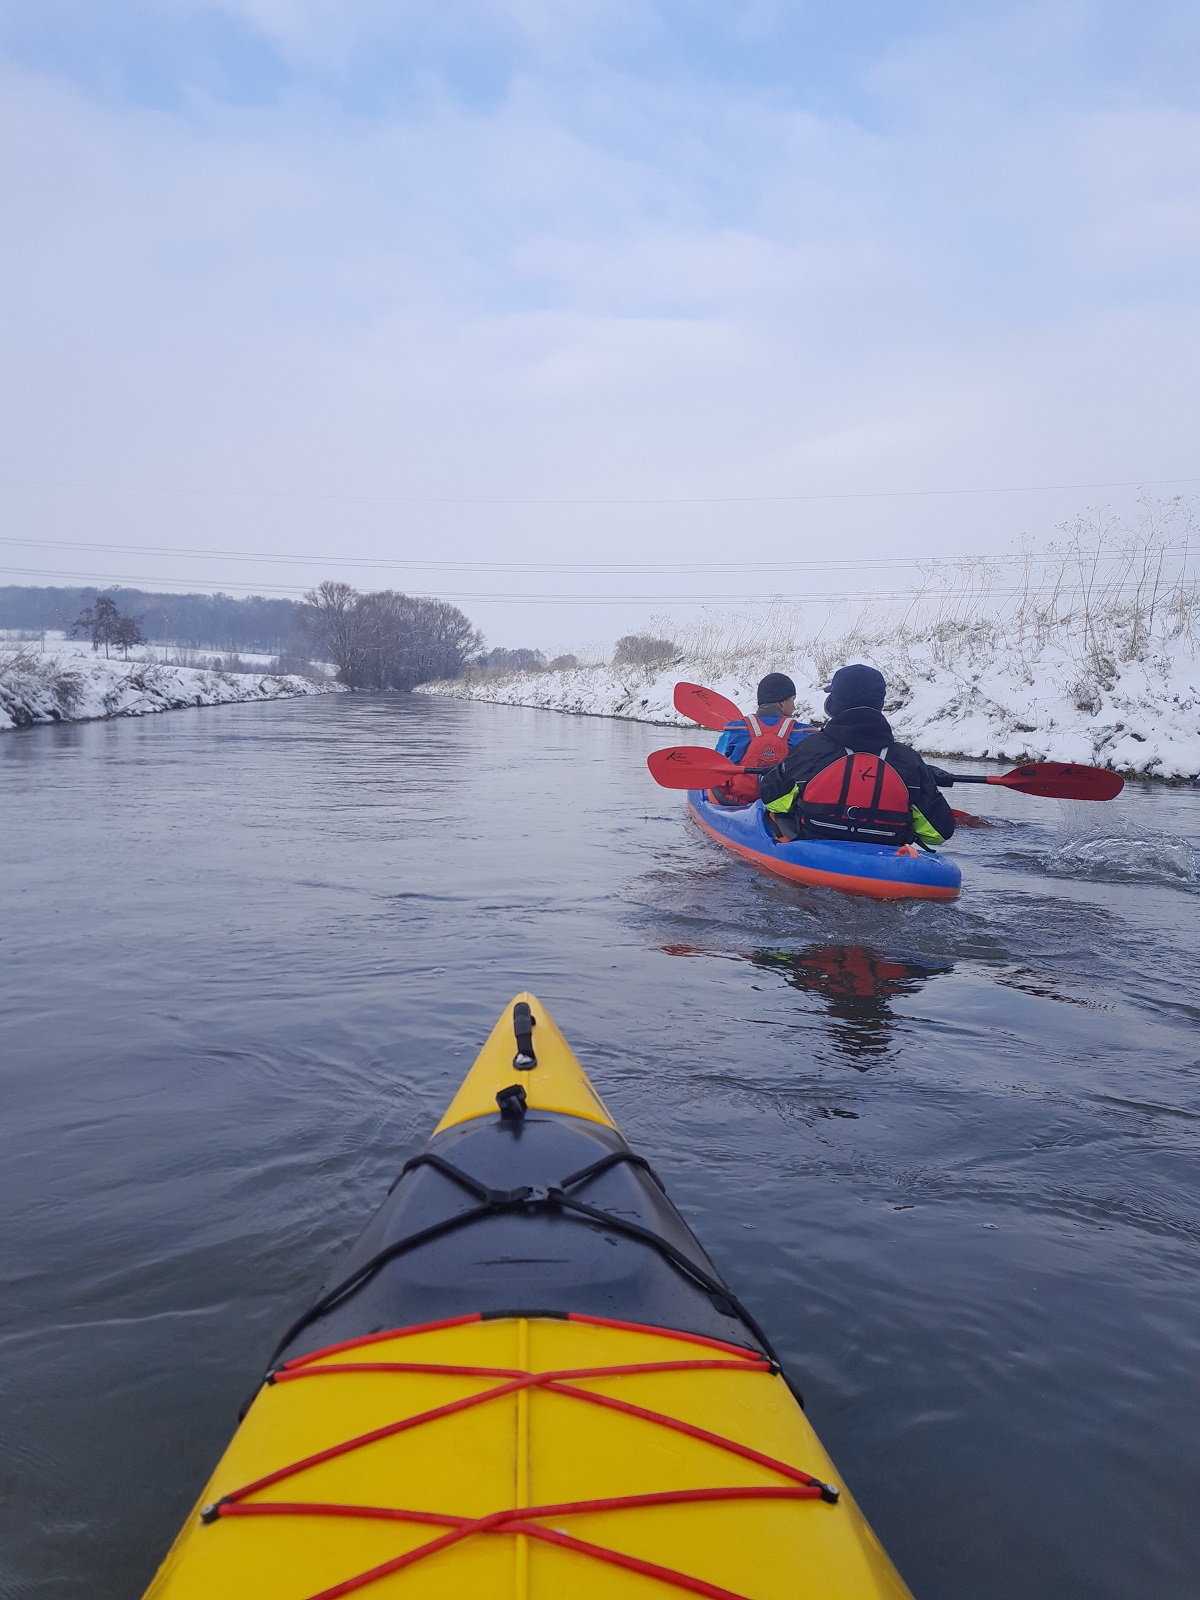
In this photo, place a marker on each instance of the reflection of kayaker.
(857, 983)
(527, 1379)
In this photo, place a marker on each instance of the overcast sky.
(648, 284)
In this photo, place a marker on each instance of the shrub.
(519, 660)
(26, 678)
(294, 664)
(643, 650)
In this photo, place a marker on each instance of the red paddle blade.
(967, 819)
(1055, 780)
(705, 706)
(689, 766)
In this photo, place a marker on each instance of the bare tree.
(389, 640)
(101, 620)
(336, 619)
(443, 640)
(127, 632)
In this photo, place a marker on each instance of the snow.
(1141, 717)
(67, 682)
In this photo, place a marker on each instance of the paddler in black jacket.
(854, 706)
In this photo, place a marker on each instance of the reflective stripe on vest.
(768, 746)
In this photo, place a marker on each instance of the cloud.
(566, 252)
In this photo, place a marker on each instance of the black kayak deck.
(524, 1258)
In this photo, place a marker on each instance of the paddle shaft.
(692, 767)
(1050, 780)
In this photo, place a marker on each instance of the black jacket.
(861, 729)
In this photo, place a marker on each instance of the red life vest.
(857, 796)
(768, 746)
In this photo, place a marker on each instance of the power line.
(846, 564)
(456, 598)
(616, 500)
(764, 598)
(418, 564)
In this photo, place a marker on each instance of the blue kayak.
(881, 871)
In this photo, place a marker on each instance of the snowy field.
(1138, 716)
(65, 681)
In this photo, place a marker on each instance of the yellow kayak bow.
(527, 1380)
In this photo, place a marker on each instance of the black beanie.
(776, 686)
(855, 686)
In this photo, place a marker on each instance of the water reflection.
(856, 983)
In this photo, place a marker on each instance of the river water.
(947, 1154)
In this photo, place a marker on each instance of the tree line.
(201, 621)
(631, 650)
(380, 640)
(384, 640)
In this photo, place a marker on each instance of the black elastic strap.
(411, 1241)
(493, 1202)
(524, 1022)
(448, 1170)
(713, 1286)
(614, 1158)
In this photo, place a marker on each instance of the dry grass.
(1105, 592)
(26, 673)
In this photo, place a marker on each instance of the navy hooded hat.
(855, 686)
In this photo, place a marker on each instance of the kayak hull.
(879, 872)
(526, 1379)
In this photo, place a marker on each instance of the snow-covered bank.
(71, 685)
(1140, 716)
